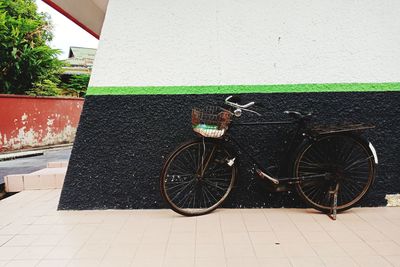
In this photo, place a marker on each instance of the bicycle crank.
(264, 175)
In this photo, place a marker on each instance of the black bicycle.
(331, 167)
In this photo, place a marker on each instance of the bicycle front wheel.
(198, 177)
(341, 161)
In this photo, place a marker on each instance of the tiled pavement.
(33, 233)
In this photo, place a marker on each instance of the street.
(31, 164)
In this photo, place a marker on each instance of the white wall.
(210, 42)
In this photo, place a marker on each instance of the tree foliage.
(27, 64)
(77, 85)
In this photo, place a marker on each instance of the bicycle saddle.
(297, 115)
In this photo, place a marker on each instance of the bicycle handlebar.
(239, 108)
(236, 105)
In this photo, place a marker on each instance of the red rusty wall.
(27, 121)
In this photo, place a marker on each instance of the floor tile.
(208, 226)
(256, 222)
(128, 237)
(309, 227)
(51, 220)
(263, 237)
(372, 236)
(386, 248)
(182, 238)
(60, 229)
(332, 261)
(268, 250)
(22, 263)
(209, 238)
(21, 240)
(210, 262)
(8, 253)
(242, 261)
(84, 263)
(147, 262)
(121, 251)
(148, 251)
(48, 240)
(284, 226)
(318, 237)
(291, 236)
(346, 236)
(371, 261)
(394, 260)
(33, 253)
(180, 251)
(5, 238)
(239, 251)
(154, 237)
(306, 262)
(184, 224)
(298, 250)
(357, 248)
(236, 238)
(95, 251)
(35, 229)
(53, 263)
(328, 249)
(209, 251)
(12, 229)
(116, 262)
(63, 252)
(178, 262)
(275, 262)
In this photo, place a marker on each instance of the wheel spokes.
(345, 161)
(198, 178)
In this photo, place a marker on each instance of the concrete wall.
(37, 121)
(212, 42)
(158, 59)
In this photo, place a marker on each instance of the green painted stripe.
(240, 89)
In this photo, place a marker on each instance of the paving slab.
(31, 164)
(34, 233)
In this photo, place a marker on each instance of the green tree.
(27, 64)
(77, 84)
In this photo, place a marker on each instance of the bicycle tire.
(345, 159)
(197, 178)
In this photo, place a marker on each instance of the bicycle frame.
(301, 130)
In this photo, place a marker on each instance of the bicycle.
(332, 167)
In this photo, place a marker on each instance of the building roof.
(80, 60)
(88, 14)
(82, 52)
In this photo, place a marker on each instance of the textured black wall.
(122, 142)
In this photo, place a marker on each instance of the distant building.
(79, 61)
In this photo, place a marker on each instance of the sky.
(66, 33)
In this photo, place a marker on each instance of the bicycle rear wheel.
(197, 178)
(339, 159)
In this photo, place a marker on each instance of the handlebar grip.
(248, 104)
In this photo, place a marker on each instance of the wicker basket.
(211, 121)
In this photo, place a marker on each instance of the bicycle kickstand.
(333, 211)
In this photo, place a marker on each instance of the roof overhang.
(88, 14)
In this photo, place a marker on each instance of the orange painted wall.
(27, 121)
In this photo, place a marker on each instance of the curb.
(25, 153)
